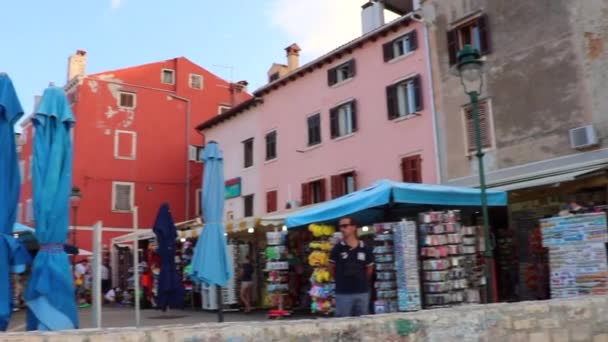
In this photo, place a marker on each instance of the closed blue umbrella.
(170, 293)
(11, 252)
(210, 263)
(50, 291)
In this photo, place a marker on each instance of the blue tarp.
(13, 255)
(50, 291)
(385, 192)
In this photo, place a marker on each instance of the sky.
(235, 39)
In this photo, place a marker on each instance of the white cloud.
(116, 4)
(318, 26)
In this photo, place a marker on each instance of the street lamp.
(470, 69)
(75, 197)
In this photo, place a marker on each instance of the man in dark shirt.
(246, 283)
(352, 265)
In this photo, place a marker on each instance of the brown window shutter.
(335, 186)
(453, 46)
(413, 40)
(271, 201)
(418, 93)
(416, 169)
(483, 26)
(353, 107)
(331, 77)
(387, 50)
(405, 170)
(352, 67)
(484, 125)
(391, 101)
(323, 184)
(306, 194)
(468, 117)
(333, 122)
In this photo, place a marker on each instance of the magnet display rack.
(277, 270)
(384, 259)
(407, 265)
(322, 289)
(443, 272)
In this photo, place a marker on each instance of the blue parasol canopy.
(50, 291)
(12, 253)
(170, 292)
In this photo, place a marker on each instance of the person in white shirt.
(105, 278)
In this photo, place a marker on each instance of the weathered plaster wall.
(546, 75)
(560, 320)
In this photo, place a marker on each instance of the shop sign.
(233, 188)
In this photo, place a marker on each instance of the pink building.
(360, 113)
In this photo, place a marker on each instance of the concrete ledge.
(583, 319)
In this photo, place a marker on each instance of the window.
(195, 153)
(411, 169)
(343, 184)
(314, 129)
(313, 192)
(341, 73)
(271, 201)
(484, 125)
(197, 202)
(400, 46)
(168, 76)
(248, 153)
(29, 211)
(127, 100)
(122, 196)
(248, 205)
(22, 170)
(271, 145)
(475, 32)
(196, 81)
(404, 98)
(221, 109)
(275, 76)
(125, 144)
(343, 119)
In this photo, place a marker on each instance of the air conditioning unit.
(583, 137)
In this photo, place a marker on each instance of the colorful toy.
(319, 230)
(318, 258)
(321, 275)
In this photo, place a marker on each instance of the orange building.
(135, 142)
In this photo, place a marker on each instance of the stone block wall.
(583, 319)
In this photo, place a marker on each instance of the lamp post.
(75, 197)
(470, 69)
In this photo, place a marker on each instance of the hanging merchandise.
(277, 270)
(577, 254)
(322, 289)
(449, 259)
(407, 265)
(384, 257)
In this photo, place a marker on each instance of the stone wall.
(558, 320)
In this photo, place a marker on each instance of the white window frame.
(345, 119)
(193, 76)
(22, 170)
(131, 196)
(197, 202)
(194, 154)
(133, 154)
(120, 93)
(406, 101)
(162, 76)
(220, 107)
(29, 211)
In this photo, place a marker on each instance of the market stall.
(427, 243)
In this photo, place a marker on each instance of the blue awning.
(385, 192)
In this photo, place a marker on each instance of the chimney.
(37, 99)
(293, 57)
(77, 64)
(372, 16)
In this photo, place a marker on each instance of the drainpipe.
(429, 69)
(188, 171)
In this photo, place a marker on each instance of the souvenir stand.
(277, 269)
(577, 254)
(425, 258)
(322, 289)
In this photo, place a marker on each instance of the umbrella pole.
(220, 304)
